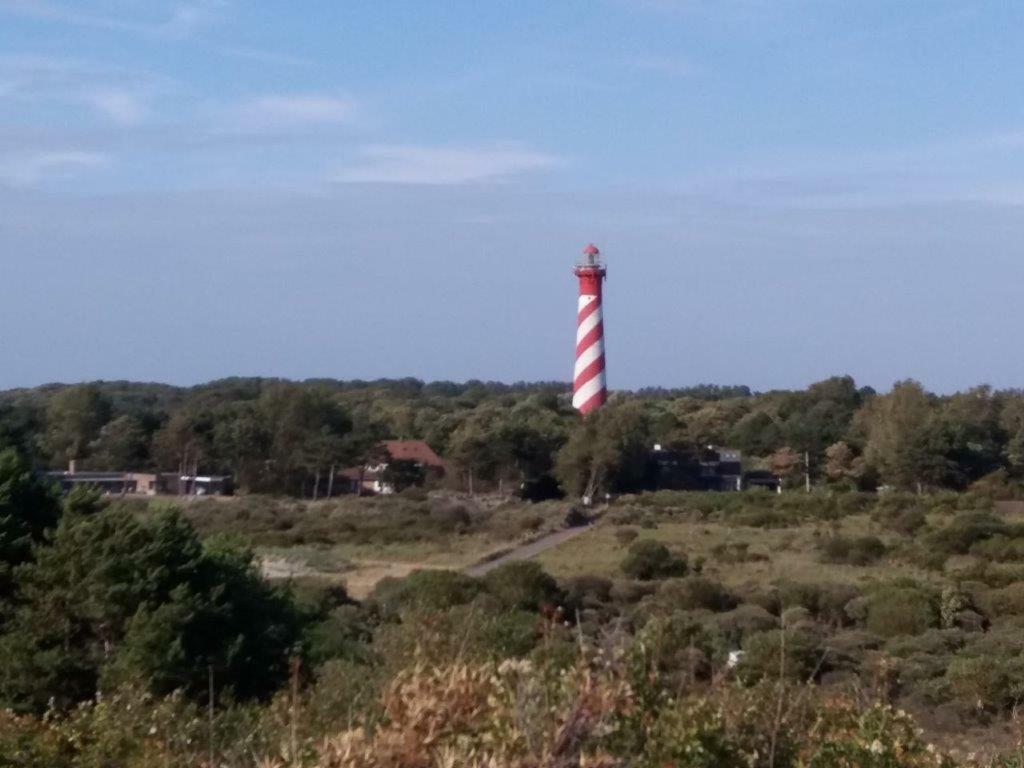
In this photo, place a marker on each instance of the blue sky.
(784, 189)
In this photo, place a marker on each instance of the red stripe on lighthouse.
(589, 387)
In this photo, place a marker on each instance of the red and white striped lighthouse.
(589, 388)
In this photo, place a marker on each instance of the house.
(710, 468)
(393, 466)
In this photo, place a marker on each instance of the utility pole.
(807, 471)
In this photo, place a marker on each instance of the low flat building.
(112, 483)
(143, 483)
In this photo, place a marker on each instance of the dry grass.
(790, 553)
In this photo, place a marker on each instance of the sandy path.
(527, 551)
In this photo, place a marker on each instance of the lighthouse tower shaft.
(589, 386)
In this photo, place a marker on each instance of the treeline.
(278, 436)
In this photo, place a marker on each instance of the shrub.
(796, 653)
(587, 591)
(531, 522)
(999, 548)
(986, 682)
(761, 518)
(1008, 600)
(738, 552)
(862, 550)
(522, 585)
(907, 522)
(900, 610)
(425, 589)
(825, 601)
(649, 560)
(936, 643)
(626, 536)
(999, 486)
(892, 503)
(744, 620)
(475, 631)
(696, 592)
(963, 531)
(666, 643)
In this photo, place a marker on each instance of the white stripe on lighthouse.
(587, 356)
(588, 390)
(588, 324)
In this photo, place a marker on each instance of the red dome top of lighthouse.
(591, 250)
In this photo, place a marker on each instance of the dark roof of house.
(413, 450)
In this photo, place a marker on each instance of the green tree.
(905, 443)
(300, 422)
(608, 450)
(123, 444)
(28, 509)
(74, 419)
(480, 448)
(115, 598)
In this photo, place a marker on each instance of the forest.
(277, 436)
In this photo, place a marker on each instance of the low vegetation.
(688, 629)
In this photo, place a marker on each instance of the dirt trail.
(362, 575)
(526, 551)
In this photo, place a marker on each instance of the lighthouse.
(589, 387)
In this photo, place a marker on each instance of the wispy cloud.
(121, 106)
(121, 96)
(181, 20)
(297, 109)
(27, 168)
(410, 164)
(173, 20)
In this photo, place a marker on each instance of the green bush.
(430, 589)
(345, 633)
(1006, 601)
(795, 653)
(862, 550)
(522, 585)
(742, 621)
(986, 682)
(694, 593)
(908, 522)
(890, 504)
(999, 548)
(964, 531)
(900, 610)
(587, 591)
(648, 559)
(826, 602)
